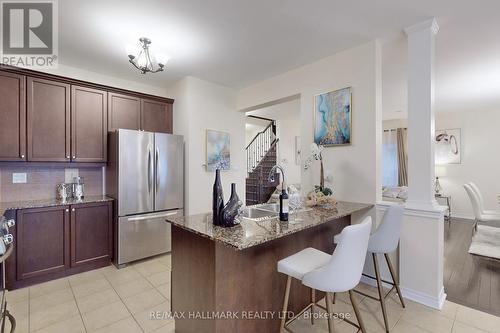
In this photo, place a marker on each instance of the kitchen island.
(226, 280)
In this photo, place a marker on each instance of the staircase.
(261, 157)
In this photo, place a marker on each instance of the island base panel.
(208, 277)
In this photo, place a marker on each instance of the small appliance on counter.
(78, 188)
(64, 191)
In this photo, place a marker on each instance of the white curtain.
(390, 158)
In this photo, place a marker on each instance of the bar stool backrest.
(474, 199)
(386, 238)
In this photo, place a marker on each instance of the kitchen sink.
(254, 213)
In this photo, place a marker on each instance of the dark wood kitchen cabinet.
(91, 233)
(89, 131)
(156, 116)
(12, 117)
(124, 112)
(48, 120)
(52, 242)
(42, 241)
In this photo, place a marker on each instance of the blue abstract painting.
(333, 118)
(218, 150)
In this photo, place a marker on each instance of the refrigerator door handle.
(155, 216)
(149, 170)
(157, 168)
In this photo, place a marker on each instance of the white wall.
(480, 160)
(252, 127)
(355, 168)
(287, 117)
(202, 105)
(84, 75)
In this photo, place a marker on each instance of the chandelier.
(143, 60)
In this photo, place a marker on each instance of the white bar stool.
(385, 240)
(334, 273)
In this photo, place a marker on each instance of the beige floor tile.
(165, 259)
(105, 316)
(17, 295)
(71, 325)
(133, 287)
(90, 276)
(148, 268)
(51, 299)
(121, 276)
(303, 325)
(48, 287)
(169, 328)
(478, 319)
(22, 325)
(20, 311)
(427, 319)
(128, 325)
(449, 309)
(459, 327)
(52, 315)
(147, 323)
(165, 290)
(91, 287)
(145, 300)
(405, 327)
(159, 279)
(97, 300)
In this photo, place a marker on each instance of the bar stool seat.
(300, 263)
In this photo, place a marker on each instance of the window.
(390, 158)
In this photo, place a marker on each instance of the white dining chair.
(479, 215)
(339, 272)
(492, 213)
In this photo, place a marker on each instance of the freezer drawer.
(142, 236)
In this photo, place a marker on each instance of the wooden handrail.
(262, 132)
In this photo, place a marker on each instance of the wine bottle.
(217, 200)
(283, 205)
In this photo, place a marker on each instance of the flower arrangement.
(321, 195)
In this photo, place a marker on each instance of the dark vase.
(217, 200)
(231, 209)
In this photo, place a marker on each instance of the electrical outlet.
(69, 174)
(19, 178)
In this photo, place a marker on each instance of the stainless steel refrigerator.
(145, 175)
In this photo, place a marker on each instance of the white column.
(421, 115)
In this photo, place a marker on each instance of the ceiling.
(237, 43)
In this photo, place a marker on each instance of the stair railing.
(259, 146)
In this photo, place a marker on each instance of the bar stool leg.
(380, 291)
(285, 303)
(313, 301)
(356, 311)
(329, 312)
(394, 278)
(333, 298)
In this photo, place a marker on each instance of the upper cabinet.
(48, 120)
(156, 116)
(89, 109)
(12, 117)
(124, 112)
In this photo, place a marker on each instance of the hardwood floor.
(469, 280)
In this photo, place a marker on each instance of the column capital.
(430, 24)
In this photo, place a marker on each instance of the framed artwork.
(333, 118)
(448, 146)
(218, 148)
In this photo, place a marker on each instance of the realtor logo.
(29, 33)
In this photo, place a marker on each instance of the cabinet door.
(48, 120)
(12, 117)
(89, 131)
(124, 112)
(91, 233)
(156, 116)
(42, 241)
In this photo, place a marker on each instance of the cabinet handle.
(72, 209)
(22, 155)
(67, 210)
(67, 157)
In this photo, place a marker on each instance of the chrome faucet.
(270, 177)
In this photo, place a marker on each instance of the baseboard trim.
(427, 300)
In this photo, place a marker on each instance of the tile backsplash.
(41, 182)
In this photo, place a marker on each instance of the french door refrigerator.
(148, 173)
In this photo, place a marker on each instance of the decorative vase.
(231, 209)
(217, 199)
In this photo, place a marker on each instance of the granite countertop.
(4, 206)
(251, 233)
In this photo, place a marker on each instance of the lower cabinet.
(52, 242)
